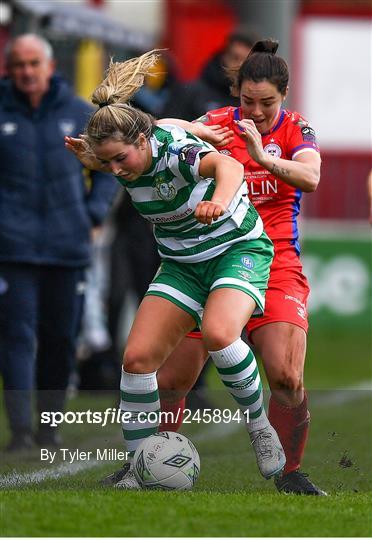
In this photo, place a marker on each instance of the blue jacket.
(47, 205)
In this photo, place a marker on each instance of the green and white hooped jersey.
(168, 193)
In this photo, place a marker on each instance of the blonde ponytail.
(115, 118)
(124, 79)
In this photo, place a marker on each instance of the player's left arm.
(302, 172)
(229, 176)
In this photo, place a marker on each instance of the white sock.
(139, 394)
(237, 368)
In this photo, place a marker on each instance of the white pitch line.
(15, 479)
(214, 431)
(346, 395)
(20, 479)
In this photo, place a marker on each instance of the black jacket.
(47, 208)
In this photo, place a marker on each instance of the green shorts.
(244, 266)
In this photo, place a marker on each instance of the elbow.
(312, 183)
(234, 166)
(310, 187)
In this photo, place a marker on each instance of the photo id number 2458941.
(215, 416)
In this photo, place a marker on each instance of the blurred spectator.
(212, 90)
(46, 221)
(94, 335)
(96, 369)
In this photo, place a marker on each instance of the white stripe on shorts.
(179, 296)
(255, 293)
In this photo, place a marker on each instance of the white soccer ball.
(166, 460)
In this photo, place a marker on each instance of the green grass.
(106, 513)
(338, 358)
(230, 498)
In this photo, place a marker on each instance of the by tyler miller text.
(74, 455)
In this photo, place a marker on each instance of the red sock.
(174, 420)
(292, 426)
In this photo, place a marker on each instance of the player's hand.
(80, 149)
(216, 135)
(253, 139)
(208, 211)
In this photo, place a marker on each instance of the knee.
(135, 361)
(217, 337)
(165, 381)
(287, 379)
(172, 384)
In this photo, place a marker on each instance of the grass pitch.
(200, 513)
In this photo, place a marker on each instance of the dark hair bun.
(267, 66)
(265, 46)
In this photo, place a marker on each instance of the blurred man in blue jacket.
(47, 217)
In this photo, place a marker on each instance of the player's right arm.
(229, 176)
(80, 149)
(214, 134)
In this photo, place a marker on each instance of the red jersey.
(277, 203)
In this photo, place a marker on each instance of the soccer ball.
(166, 460)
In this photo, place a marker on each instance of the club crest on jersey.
(273, 149)
(165, 190)
(247, 262)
